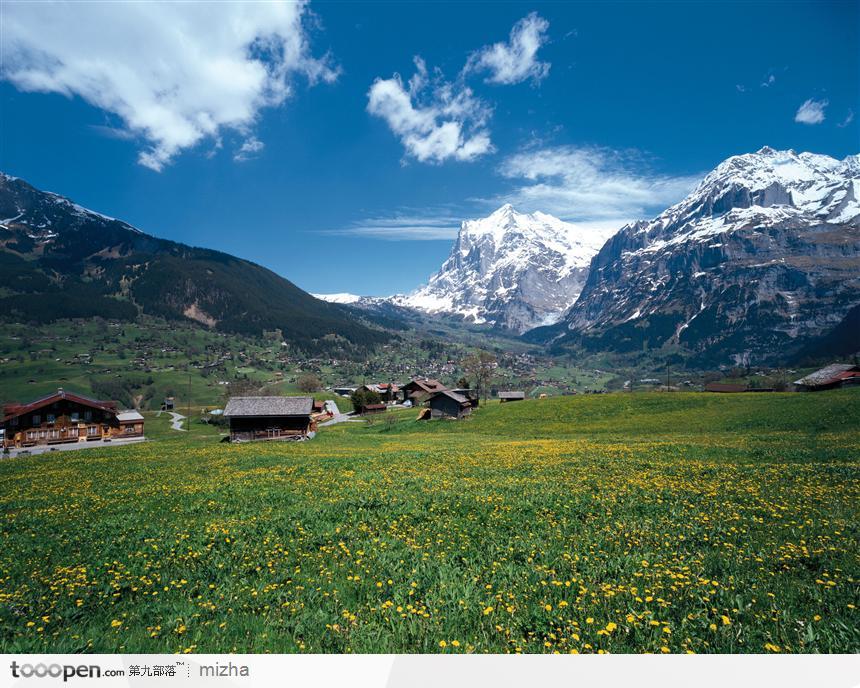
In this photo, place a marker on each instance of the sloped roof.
(12, 410)
(459, 398)
(827, 375)
(128, 415)
(269, 406)
(512, 395)
(428, 385)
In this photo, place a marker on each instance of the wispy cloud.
(811, 112)
(591, 183)
(427, 226)
(174, 73)
(848, 119)
(434, 119)
(249, 149)
(515, 61)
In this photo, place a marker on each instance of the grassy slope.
(625, 523)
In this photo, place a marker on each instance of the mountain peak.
(511, 269)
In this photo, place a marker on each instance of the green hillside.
(58, 260)
(616, 523)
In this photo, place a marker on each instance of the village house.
(387, 391)
(269, 418)
(419, 390)
(448, 404)
(511, 396)
(64, 418)
(830, 377)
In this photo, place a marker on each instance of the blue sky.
(282, 135)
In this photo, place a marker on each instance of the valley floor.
(616, 523)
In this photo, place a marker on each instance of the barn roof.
(459, 398)
(512, 395)
(13, 410)
(828, 375)
(128, 416)
(268, 406)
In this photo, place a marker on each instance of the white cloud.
(590, 184)
(174, 73)
(434, 119)
(516, 60)
(848, 119)
(249, 148)
(430, 225)
(811, 112)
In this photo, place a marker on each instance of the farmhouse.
(64, 417)
(448, 404)
(830, 377)
(269, 418)
(511, 396)
(420, 390)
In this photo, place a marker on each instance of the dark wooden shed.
(447, 404)
(269, 418)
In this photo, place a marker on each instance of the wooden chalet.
(511, 396)
(448, 404)
(419, 390)
(269, 418)
(64, 417)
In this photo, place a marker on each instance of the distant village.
(65, 420)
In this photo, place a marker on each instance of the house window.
(37, 419)
(55, 434)
(129, 428)
(88, 415)
(52, 418)
(92, 430)
(42, 434)
(76, 417)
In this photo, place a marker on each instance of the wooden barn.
(448, 404)
(64, 417)
(470, 394)
(269, 418)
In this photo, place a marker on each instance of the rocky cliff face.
(511, 270)
(761, 257)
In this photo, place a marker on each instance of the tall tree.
(479, 366)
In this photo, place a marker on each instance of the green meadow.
(633, 523)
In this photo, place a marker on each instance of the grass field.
(615, 523)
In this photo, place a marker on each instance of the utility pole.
(188, 421)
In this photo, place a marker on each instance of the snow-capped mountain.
(762, 255)
(510, 269)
